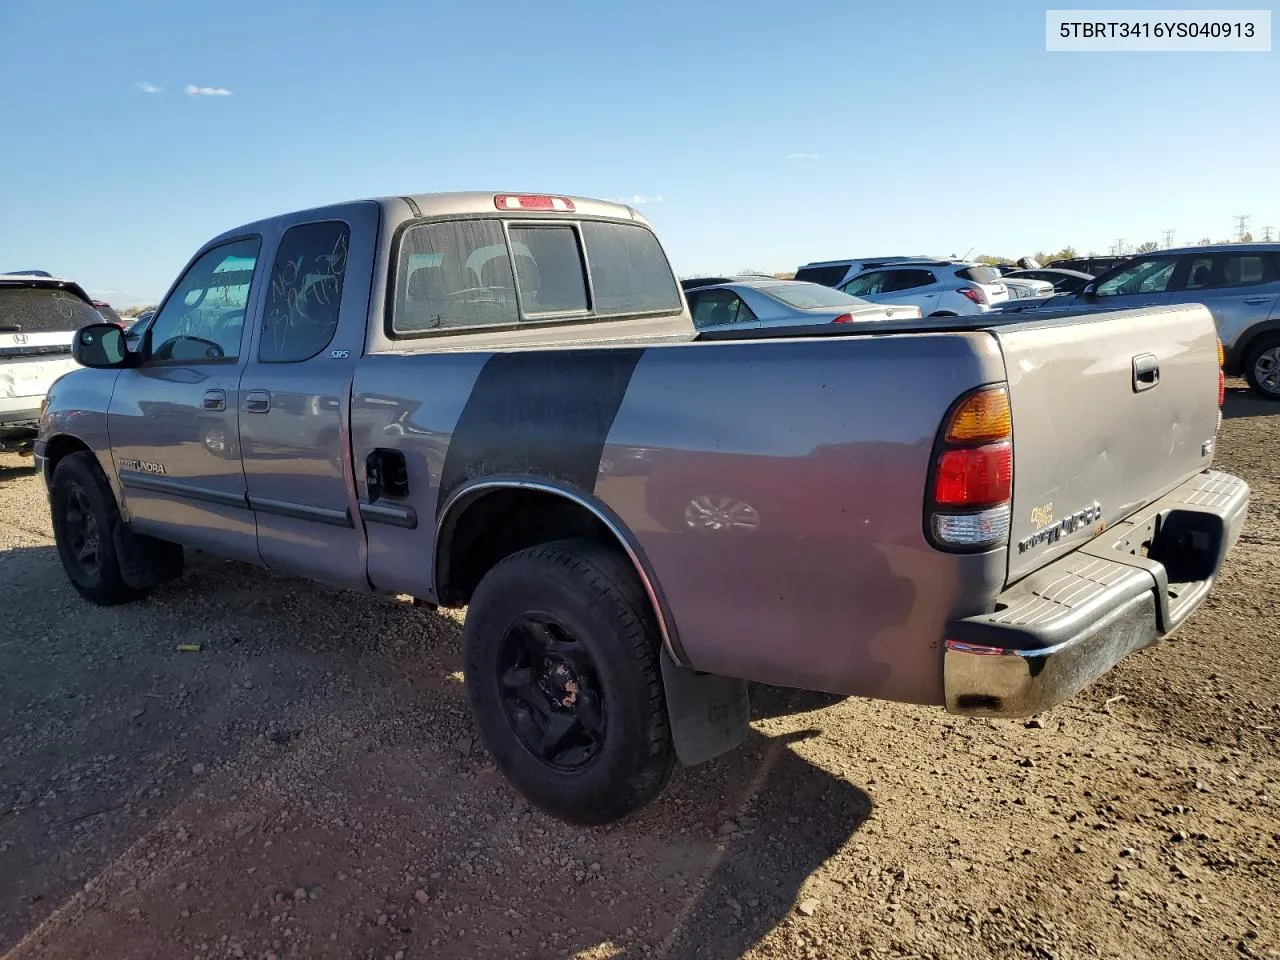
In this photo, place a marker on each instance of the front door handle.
(257, 401)
(1254, 300)
(1146, 372)
(215, 399)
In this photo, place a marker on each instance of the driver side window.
(867, 285)
(203, 321)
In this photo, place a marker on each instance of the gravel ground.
(308, 784)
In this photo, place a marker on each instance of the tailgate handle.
(1146, 372)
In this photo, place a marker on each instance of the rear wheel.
(85, 518)
(563, 676)
(1262, 368)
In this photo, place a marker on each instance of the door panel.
(173, 421)
(295, 410)
(1240, 289)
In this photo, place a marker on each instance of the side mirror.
(100, 345)
(1088, 290)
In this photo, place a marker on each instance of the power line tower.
(1266, 234)
(1117, 248)
(1168, 238)
(1242, 224)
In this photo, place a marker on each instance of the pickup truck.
(499, 401)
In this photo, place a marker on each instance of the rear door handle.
(215, 399)
(1146, 372)
(257, 401)
(1257, 299)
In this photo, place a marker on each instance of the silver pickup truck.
(499, 401)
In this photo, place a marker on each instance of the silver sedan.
(783, 303)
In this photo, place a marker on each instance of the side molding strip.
(176, 488)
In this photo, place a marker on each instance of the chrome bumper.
(1062, 627)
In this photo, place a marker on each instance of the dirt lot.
(308, 784)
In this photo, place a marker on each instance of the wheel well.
(59, 447)
(499, 522)
(1239, 357)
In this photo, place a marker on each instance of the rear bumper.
(1065, 625)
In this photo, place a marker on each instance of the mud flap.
(145, 561)
(709, 714)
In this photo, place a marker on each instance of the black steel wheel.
(563, 675)
(85, 517)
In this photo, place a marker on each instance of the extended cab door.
(172, 419)
(295, 396)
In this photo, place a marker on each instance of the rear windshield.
(979, 275)
(43, 310)
(463, 273)
(806, 296)
(827, 276)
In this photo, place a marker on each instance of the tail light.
(976, 294)
(1222, 376)
(843, 318)
(971, 480)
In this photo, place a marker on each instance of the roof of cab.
(459, 203)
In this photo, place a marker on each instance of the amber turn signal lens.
(1222, 356)
(982, 417)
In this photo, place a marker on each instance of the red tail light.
(975, 476)
(971, 483)
(843, 318)
(976, 294)
(1222, 388)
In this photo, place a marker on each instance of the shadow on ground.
(1243, 402)
(154, 801)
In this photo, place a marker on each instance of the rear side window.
(979, 275)
(896, 280)
(827, 276)
(460, 274)
(306, 290)
(43, 310)
(1231, 270)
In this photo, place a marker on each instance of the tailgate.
(1110, 412)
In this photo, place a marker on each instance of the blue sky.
(758, 135)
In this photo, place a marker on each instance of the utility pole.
(1242, 223)
(1168, 239)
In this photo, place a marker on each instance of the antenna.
(966, 254)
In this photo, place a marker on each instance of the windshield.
(809, 296)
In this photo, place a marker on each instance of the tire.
(1266, 382)
(561, 652)
(88, 546)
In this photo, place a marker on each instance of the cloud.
(639, 199)
(149, 87)
(194, 91)
(803, 156)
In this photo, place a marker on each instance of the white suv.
(940, 288)
(39, 316)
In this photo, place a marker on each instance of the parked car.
(1024, 288)
(108, 313)
(930, 519)
(1095, 266)
(834, 273)
(1061, 279)
(940, 288)
(692, 283)
(750, 304)
(39, 316)
(1238, 282)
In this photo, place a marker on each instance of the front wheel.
(85, 518)
(1262, 368)
(563, 676)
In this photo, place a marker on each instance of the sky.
(752, 135)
